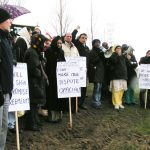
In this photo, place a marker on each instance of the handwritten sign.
(144, 76)
(81, 62)
(68, 80)
(20, 93)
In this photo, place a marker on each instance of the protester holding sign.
(37, 80)
(54, 54)
(70, 50)
(145, 60)
(6, 73)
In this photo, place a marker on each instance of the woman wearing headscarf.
(37, 79)
(118, 83)
(55, 105)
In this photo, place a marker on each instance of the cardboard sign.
(144, 76)
(20, 93)
(68, 80)
(81, 62)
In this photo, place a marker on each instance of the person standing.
(6, 73)
(145, 60)
(118, 83)
(96, 59)
(131, 66)
(83, 50)
(37, 81)
(70, 50)
(54, 104)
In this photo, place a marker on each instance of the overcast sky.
(129, 18)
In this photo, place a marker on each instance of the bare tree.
(62, 19)
(2, 2)
(14, 2)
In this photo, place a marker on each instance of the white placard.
(68, 80)
(81, 62)
(144, 76)
(20, 93)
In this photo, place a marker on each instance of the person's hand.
(128, 57)
(78, 27)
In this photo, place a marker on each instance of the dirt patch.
(93, 129)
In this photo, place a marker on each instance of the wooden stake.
(146, 97)
(17, 131)
(70, 112)
(76, 104)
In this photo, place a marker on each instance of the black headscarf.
(54, 43)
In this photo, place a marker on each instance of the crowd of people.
(111, 69)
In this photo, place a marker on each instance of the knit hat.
(4, 15)
(115, 47)
(94, 41)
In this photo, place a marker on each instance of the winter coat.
(53, 56)
(69, 51)
(6, 63)
(35, 77)
(118, 68)
(131, 66)
(96, 65)
(144, 60)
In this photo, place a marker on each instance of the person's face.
(83, 39)
(148, 54)
(68, 37)
(118, 50)
(97, 44)
(59, 43)
(105, 45)
(6, 25)
(47, 44)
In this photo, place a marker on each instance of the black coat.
(53, 56)
(118, 68)
(6, 64)
(96, 65)
(144, 60)
(35, 77)
(131, 66)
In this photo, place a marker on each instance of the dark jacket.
(53, 55)
(6, 64)
(96, 65)
(118, 68)
(35, 77)
(131, 66)
(144, 60)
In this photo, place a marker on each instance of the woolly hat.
(4, 15)
(94, 41)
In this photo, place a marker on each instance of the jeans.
(96, 97)
(11, 120)
(4, 121)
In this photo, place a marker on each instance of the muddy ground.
(101, 129)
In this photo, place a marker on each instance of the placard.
(68, 80)
(20, 93)
(144, 76)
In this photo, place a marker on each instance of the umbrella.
(14, 10)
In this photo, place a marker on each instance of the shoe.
(82, 107)
(117, 107)
(12, 130)
(121, 106)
